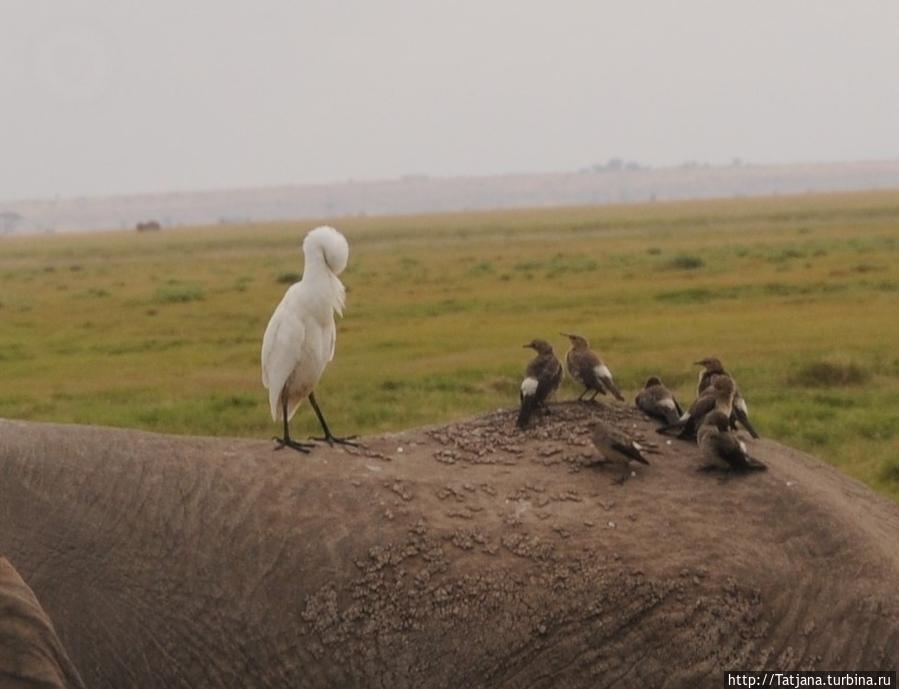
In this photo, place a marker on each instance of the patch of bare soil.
(468, 555)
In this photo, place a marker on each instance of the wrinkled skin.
(31, 654)
(477, 557)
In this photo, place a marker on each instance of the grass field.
(799, 296)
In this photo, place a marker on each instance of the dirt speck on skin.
(480, 556)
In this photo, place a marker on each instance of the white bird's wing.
(282, 345)
(333, 339)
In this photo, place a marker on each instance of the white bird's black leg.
(329, 437)
(286, 441)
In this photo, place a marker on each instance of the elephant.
(31, 654)
(471, 554)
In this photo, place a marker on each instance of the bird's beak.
(698, 363)
(527, 346)
(564, 334)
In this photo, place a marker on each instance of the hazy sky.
(108, 96)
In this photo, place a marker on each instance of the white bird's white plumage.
(301, 334)
(529, 386)
(667, 403)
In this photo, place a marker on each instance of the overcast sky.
(108, 96)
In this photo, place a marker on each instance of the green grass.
(797, 295)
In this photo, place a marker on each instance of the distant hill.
(422, 194)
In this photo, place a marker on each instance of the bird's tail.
(528, 404)
(677, 425)
(610, 384)
(688, 432)
(752, 464)
(743, 418)
(672, 416)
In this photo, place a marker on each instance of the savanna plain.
(799, 297)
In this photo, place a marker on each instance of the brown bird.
(713, 367)
(616, 447)
(541, 379)
(587, 368)
(720, 397)
(657, 401)
(721, 448)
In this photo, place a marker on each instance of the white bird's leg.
(329, 437)
(286, 440)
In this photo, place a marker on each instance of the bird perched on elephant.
(617, 447)
(587, 368)
(719, 396)
(712, 368)
(721, 449)
(541, 379)
(301, 336)
(658, 401)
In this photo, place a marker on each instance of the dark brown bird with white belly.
(587, 368)
(712, 367)
(617, 448)
(658, 401)
(541, 379)
(720, 447)
(720, 397)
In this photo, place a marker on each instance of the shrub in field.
(822, 374)
(287, 278)
(686, 262)
(179, 294)
(890, 471)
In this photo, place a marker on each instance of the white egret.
(300, 338)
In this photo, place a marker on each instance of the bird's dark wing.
(701, 406)
(609, 385)
(586, 363)
(732, 451)
(542, 369)
(651, 400)
(549, 376)
(627, 448)
(645, 400)
(705, 380)
(698, 410)
(741, 416)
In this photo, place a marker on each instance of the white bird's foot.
(305, 448)
(332, 439)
